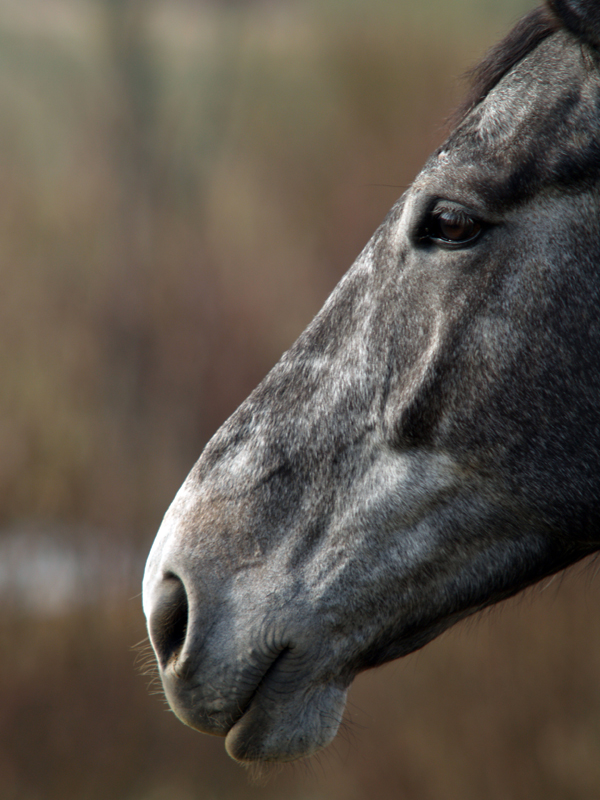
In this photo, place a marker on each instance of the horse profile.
(430, 444)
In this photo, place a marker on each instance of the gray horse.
(429, 445)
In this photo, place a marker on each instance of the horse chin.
(273, 712)
(278, 728)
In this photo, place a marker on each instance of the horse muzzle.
(224, 674)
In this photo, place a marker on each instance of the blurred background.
(182, 185)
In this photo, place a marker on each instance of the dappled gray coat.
(431, 442)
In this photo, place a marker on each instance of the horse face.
(428, 446)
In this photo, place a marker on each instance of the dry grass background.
(182, 185)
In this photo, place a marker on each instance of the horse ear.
(581, 17)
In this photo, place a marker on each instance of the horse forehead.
(551, 83)
(539, 125)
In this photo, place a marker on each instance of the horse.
(430, 445)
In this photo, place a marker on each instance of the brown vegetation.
(182, 185)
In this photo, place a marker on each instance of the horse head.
(429, 445)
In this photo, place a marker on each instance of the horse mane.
(527, 34)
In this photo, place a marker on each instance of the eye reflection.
(451, 226)
(455, 227)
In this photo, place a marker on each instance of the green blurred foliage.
(183, 183)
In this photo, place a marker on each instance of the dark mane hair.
(531, 29)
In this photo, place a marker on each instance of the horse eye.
(452, 227)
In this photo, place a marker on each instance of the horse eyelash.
(425, 235)
(451, 213)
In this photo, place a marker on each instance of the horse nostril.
(169, 620)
